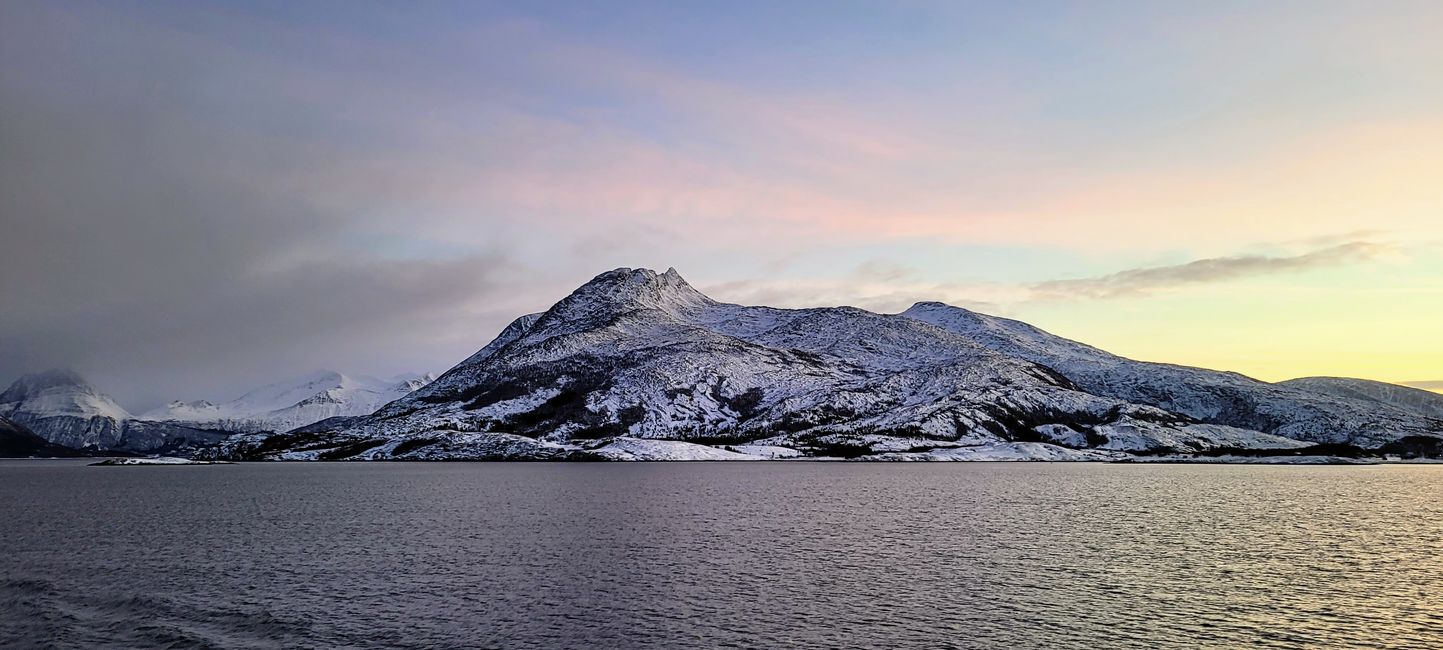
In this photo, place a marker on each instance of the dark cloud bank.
(147, 240)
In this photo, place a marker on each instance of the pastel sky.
(199, 197)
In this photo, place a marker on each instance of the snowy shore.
(159, 460)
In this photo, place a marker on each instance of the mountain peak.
(60, 392)
(321, 376)
(943, 314)
(196, 404)
(58, 380)
(931, 305)
(640, 276)
(413, 377)
(626, 289)
(53, 378)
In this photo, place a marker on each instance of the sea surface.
(716, 555)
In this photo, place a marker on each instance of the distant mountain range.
(286, 405)
(63, 409)
(639, 365)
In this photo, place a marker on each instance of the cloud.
(388, 316)
(147, 238)
(884, 287)
(1142, 281)
(872, 285)
(1434, 385)
(879, 298)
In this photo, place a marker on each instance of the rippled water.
(720, 555)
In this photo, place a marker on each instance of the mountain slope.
(638, 355)
(1415, 400)
(283, 406)
(16, 441)
(1207, 395)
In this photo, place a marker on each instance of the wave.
(37, 613)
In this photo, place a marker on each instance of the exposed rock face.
(16, 441)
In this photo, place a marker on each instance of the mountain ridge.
(1415, 399)
(1209, 395)
(639, 355)
(287, 404)
(64, 409)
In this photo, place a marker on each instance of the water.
(835, 555)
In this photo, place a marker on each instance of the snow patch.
(1005, 452)
(641, 449)
(159, 460)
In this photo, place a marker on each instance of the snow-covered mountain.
(64, 409)
(1285, 409)
(1417, 400)
(636, 364)
(285, 405)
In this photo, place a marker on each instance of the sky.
(198, 198)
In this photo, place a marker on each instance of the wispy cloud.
(872, 285)
(885, 287)
(1142, 281)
